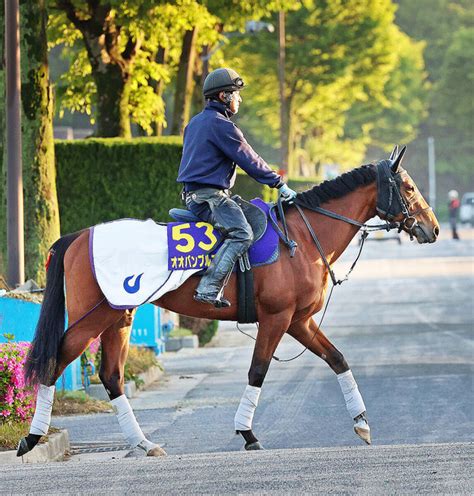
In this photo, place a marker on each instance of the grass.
(12, 432)
(65, 403)
(139, 360)
(77, 403)
(180, 332)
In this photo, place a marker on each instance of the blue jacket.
(213, 146)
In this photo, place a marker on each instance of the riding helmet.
(222, 80)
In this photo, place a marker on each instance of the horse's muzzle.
(425, 235)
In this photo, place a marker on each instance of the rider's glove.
(287, 193)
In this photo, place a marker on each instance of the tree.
(448, 57)
(112, 36)
(122, 55)
(454, 90)
(3, 172)
(39, 173)
(339, 56)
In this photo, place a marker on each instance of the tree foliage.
(447, 33)
(455, 86)
(344, 65)
(124, 77)
(112, 46)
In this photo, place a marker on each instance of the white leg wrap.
(127, 421)
(44, 405)
(354, 402)
(244, 416)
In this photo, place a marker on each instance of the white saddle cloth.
(129, 258)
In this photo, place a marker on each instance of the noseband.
(390, 202)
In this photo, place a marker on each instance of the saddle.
(255, 216)
(257, 219)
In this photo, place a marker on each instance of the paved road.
(404, 323)
(426, 469)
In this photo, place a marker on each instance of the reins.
(384, 177)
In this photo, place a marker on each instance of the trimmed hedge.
(99, 180)
(105, 179)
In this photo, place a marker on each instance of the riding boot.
(211, 283)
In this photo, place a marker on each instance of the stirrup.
(213, 300)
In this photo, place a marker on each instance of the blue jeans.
(216, 207)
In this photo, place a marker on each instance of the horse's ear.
(398, 161)
(394, 152)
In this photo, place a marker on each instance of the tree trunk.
(198, 99)
(284, 113)
(111, 62)
(159, 86)
(184, 83)
(3, 172)
(113, 94)
(39, 171)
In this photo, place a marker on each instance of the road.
(404, 323)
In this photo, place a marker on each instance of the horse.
(287, 295)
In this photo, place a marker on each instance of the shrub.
(17, 400)
(100, 180)
(105, 179)
(205, 329)
(139, 360)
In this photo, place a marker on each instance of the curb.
(176, 344)
(52, 451)
(151, 375)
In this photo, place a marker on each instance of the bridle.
(390, 204)
(390, 201)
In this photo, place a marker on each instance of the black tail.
(42, 357)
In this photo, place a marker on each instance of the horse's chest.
(311, 286)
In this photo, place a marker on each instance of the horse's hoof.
(156, 451)
(364, 434)
(254, 446)
(361, 428)
(22, 447)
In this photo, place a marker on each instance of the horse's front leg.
(309, 335)
(270, 332)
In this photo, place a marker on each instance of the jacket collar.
(220, 107)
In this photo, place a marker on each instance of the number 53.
(178, 233)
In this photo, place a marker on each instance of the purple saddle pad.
(265, 250)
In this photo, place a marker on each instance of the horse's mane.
(338, 187)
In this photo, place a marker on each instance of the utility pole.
(284, 141)
(432, 172)
(15, 236)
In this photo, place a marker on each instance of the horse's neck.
(335, 235)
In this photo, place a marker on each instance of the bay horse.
(287, 294)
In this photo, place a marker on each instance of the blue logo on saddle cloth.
(192, 245)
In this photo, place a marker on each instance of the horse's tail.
(42, 357)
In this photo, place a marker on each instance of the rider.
(213, 146)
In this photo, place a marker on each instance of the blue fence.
(19, 318)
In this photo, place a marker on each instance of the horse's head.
(399, 200)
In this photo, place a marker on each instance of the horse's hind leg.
(309, 335)
(115, 344)
(270, 332)
(74, 343)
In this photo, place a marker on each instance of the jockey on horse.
(213, 146)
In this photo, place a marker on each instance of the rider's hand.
(287, 193)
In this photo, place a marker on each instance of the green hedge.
(248, 188)
(104, 179)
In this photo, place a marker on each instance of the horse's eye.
(410, 188)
